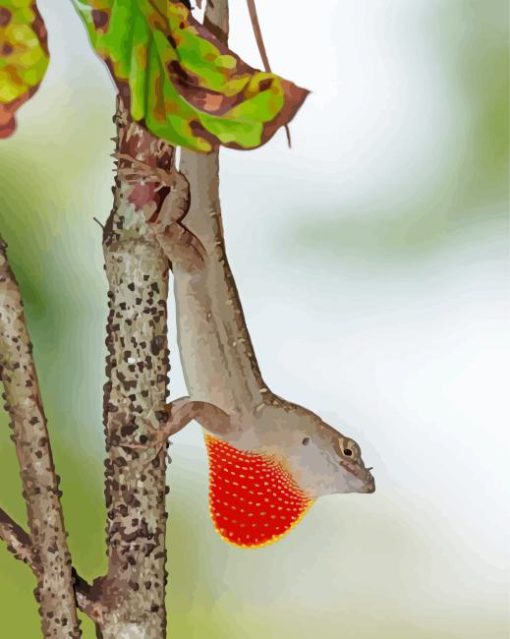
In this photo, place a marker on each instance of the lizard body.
(269, 458)
(256, 440)
(219, 361)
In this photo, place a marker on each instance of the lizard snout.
(369, 483)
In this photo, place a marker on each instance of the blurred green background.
(372, 263)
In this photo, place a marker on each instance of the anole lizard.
(269, 458)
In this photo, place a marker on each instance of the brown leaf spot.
(101, 19)
(212, 102)
(5, 16)
(6, 130)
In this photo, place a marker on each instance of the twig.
(18, 543)
(259, 38)
(17, 540)
(55, 591)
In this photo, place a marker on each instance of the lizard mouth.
(253, 499)
(362, 473)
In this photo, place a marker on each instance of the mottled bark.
(54, 591)
(133, 591)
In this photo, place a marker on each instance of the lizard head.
(260, 490)
(321, 459)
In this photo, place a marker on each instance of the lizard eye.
(349, 448)
(306, 441)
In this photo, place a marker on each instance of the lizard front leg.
(180, 413)
(185, 409)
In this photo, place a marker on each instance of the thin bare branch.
(18, 543)
(88, 600)
(259, 38)
(55, 591)
(17, 540)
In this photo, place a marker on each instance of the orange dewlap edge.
(253, 499)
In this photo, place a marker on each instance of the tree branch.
(133, 591)
(17, 540)
(18, 543)
(55, 591)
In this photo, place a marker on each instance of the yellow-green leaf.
(23, 58)
(180, 82)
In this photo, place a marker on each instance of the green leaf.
(180, 82)
(23, 58)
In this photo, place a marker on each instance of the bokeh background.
(372, 263)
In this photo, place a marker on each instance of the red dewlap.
(252, 498)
